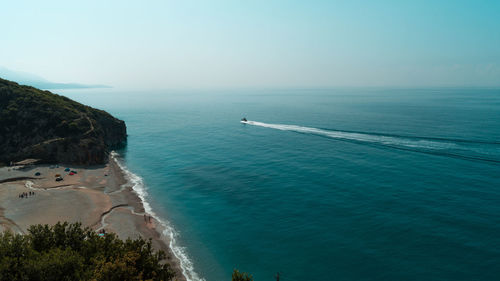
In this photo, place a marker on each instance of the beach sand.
(98, 196)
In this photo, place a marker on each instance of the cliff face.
(42, 125)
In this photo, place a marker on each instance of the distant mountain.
(25, 78)
(42, 125)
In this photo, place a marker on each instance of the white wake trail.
(362, 137)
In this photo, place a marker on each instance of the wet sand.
(98, 196)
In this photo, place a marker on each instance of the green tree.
(69, 252)
(241, 276)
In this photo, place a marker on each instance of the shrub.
(69, 252)
(241, 276)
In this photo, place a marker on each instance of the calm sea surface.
(344, 184)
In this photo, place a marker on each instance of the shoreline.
(100, 197)
(164, 230)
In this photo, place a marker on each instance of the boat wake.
(486, 151)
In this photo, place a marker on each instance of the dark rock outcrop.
(42, 125)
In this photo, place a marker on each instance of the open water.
(340, 184)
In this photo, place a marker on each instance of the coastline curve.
(168, 232)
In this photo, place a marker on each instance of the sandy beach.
(97, 196)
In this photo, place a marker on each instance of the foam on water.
(465, 149)
(168, 230)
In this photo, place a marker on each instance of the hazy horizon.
(258, 44)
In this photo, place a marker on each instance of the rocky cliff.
(42, 125)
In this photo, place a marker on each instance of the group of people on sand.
(26, 194)
(147, 218)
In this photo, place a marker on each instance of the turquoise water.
(345, 184)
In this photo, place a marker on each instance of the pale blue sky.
(224, 44)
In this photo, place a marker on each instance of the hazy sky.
(214, 44)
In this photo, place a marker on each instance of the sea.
(319, 184)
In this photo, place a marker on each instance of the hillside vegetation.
(69, 252)
(42, 125)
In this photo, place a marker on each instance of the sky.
(254, 44)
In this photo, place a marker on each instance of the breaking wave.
(168, 230)
(487, 151)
